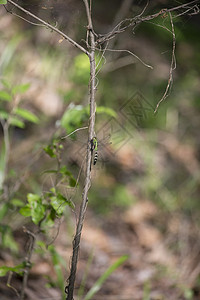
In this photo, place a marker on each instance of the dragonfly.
(98, 146)
(94, 147)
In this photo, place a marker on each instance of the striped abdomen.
(95, 157)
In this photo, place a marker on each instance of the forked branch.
(28, 13)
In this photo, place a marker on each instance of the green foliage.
(2, 166)
(85, 276)
(67, 174)
(14, 121)
(98, 284)
(74, 117)
(45, 208)
(58, 201)
(54, 149)
(81, 69)
(3, 1)
(20, 88)
(34, 208)
(17, 269)
(106, 110)
(147, 291)
(17, 202)
(5, 96)
(26, 115)
(58, 262)
(188, 294)
(15, 116)
(77, 115)
(7, 240)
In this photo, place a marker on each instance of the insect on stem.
(94, 147)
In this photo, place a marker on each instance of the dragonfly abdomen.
(95, 157)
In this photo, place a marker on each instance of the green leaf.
(106, 110)
(3, 1)
(7, 239)
(50, 171)
(3, 115)
(17, 122)
(5, 96)
(57, 261)
(50, 151)
(17, 202)
(72, 181)
(17, 269)
(3, 210)
(74, 117)
(21, 88)
(27, 115)
(2, 165)
(5, 83)
(25, 211)
(37, 208)
(58, 204)
(98, 284)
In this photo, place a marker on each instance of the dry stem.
(76, 242)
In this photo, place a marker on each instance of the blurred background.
(144, 199)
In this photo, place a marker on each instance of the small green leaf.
(3, 1)
(50, 171)
(3, 115)
(65, 173)
(37, 208)
(3, 210)
(50, 151)
(72, 181)
(74, 117)
(106, 110)
(58, 204)
(27, 115)
(98, 284)
(5, 96)
(25, 211)
(5, 83)
(17, 269)
(21, 88)
(63, 170)
(17, 122)
(17, 202)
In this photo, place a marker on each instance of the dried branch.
(76, 242)
(133, 22)
(172, 67)
(31, 245)
(132, 54)
(75, 44)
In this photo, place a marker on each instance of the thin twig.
(32, 239)
(118, 63)
(131, 53)
(78, 129)
(76, 242)
(172, 67)
(132, 22)
(49, 26)
(9, 284)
